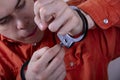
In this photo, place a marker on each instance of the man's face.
(17, 20)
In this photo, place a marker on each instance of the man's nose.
(22, 23)
(21, 20)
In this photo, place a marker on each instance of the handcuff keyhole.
(66, 40)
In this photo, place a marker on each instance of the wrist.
(84, 23)
(89, 20)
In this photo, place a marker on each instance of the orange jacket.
(85, 60)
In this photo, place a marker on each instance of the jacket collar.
(8, 40)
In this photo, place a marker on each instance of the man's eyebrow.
(17, 4)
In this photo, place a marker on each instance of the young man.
(21, 40)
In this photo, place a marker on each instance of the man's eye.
(5, 20)
(21, 4)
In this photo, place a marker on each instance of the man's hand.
(47, 64)
(57, 16)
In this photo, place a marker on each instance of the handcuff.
(66, 40)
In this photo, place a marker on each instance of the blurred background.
(114, 69)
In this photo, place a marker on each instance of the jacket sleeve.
(105, 13)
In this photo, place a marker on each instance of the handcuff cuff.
(66, 40)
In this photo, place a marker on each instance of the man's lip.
(34, 31)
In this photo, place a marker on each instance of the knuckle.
(45, 48)
(35, 54)
(51, 51)
(36, 19)
(52, 28)
(35, 69)
(59, 58)
(42, 76)
(43, 10)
